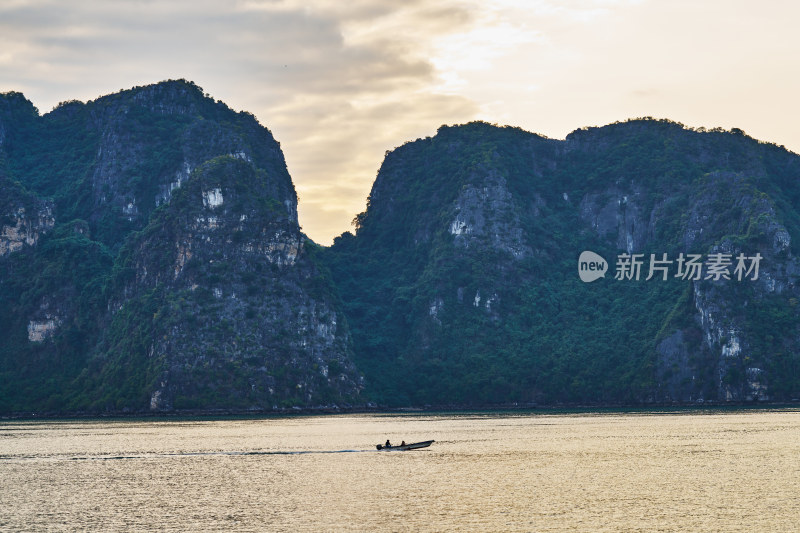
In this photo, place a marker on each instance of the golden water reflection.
(691, 471)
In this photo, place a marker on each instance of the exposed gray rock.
(243, 313)
(485, 212)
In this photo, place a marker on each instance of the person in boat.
(403, 443)
(388, 444)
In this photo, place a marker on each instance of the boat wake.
(168, 454)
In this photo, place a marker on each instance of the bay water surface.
(714, 470)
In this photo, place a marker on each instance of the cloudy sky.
(338, 86)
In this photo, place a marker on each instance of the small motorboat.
(405, 447)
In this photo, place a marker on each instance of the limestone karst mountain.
(461, 283)
(151, 259)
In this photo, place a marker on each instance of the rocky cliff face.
(150, 139)
(481, 228)
(25, 218)
(151, 259)
(240, 311)
(719, 353)
(721, 308)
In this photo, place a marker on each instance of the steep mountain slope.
(461, 283)
(151, 259)
(115, 297)
(221, 301)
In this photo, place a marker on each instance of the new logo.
(591, 266)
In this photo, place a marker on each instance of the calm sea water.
(696, 471)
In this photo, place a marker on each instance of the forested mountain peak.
(151, 259)
(468, 253)
(137, 217)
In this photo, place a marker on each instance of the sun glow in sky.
(339, 83)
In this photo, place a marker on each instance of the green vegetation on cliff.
(150, 258)
(461, 282)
